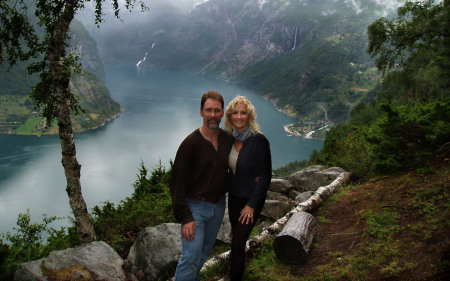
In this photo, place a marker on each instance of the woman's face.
(239, 117)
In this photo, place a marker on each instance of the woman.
(251, 165)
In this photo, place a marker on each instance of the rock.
(281, 186)
(99, 260)
(301, 197)
(155, 253)
(276, 196)
(276, 205)
(275, 209)
(30, 271)
(293, 193)
(313, 177)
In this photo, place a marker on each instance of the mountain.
(307, 56)
(17, 114)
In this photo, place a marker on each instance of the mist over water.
(161, 109)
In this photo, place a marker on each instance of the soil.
(346, 232)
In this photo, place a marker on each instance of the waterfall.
(295, 39)
(145, 57)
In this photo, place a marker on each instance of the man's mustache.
(213, 119)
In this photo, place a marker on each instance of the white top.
(232, 160)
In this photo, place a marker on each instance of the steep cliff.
(17, 114)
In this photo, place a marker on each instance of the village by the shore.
(309, 130)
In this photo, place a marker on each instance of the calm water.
(161, 108)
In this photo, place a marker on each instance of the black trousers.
(240, 232)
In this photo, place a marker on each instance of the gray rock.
(293, 193)
(102, 262)
(275, 209)
(301, 197)
(155, 253)
(276, 196)
(280, 185)
(97, 257)
(30, 271)
(313, 177)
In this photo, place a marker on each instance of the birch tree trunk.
(72, 168)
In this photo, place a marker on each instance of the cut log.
(293, 243)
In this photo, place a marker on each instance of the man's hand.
(188, 231)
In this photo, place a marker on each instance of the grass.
(29, 126)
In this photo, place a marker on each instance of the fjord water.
(161, 108)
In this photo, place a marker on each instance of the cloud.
(387, 6)
(328, 12)
(355, 4)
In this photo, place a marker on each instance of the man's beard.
(213, 126)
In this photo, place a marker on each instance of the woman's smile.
(239, 117)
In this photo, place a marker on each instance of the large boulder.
(155, 253)
(91, 261)
(313, 177)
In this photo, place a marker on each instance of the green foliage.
(26, 243)
(155, 184)
(400, 138)
(381, 224)
(404, 137)
(415, 43)
(150, 205)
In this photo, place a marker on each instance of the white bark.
(293, 243)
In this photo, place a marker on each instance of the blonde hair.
(252, 124)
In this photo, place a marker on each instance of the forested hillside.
(17, 113)
(309, 57)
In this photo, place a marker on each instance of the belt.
(210, 200)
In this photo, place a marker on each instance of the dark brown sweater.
(199, 170)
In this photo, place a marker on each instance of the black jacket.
(254, 161)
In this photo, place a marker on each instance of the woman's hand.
(246, 215)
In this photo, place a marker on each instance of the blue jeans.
(208, 218)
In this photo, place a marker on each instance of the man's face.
(212, 113)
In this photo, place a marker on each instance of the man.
(198, 185)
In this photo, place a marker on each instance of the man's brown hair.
(214, 95)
